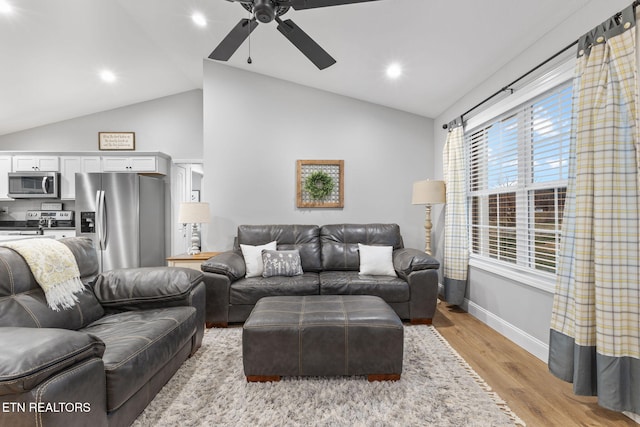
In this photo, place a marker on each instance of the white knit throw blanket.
(54, 267)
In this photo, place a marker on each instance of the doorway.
(186, 183)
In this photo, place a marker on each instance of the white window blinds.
(518, 165)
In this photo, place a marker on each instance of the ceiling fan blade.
(234, 39)
(305, 44)
(312, 4)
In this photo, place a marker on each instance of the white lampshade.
(194, 213)
(428, 192)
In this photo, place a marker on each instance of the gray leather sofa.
(102, 361)
(330, 261)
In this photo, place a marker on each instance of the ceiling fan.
(266, 11)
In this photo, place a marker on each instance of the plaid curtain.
(456, 238)
(595, 324)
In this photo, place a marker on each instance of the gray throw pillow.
(281, 263)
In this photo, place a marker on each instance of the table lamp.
(194, 213)
(428, 193)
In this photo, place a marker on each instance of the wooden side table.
(190, 261)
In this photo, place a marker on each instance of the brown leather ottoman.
(322, 335)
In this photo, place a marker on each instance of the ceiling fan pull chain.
(249, 61)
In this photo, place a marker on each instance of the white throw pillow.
(376, 260)
(253, 257)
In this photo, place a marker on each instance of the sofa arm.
(230, 264)
(217, 289)
(32, 355)
(407, 261)
(145, 287)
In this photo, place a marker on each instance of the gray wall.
(256, 127)
(519, 311)
(172, 125)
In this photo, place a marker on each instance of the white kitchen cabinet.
(59, 234)
(36, 164)
(69, 166)
(141, 164)
(5, 168)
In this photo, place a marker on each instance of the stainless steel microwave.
(34, 185)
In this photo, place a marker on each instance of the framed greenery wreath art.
(320, 183)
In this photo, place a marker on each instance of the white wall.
(256, 127)
(519, 311)
(172, 125)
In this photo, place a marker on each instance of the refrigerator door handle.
(103, 223)
(98, 220)
(98, 223)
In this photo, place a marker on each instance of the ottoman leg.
(216, 325)
(383, 377)
(262, 378)
(421, 321)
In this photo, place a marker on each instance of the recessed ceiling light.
(394, 70)
(107, 76)
(5, 7)
(199, 19)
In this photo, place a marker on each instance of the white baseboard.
(518, 336)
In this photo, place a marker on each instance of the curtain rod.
(508, 87)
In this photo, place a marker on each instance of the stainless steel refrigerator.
(124, 215)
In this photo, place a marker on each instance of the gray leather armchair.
(330, 261)
(102, 361)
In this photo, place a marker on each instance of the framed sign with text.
(116, 140)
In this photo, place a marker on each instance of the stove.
(50, 219)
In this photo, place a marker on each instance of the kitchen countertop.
(12, 224)
(25, 228)
(7, 238)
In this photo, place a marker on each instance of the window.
(518, 168)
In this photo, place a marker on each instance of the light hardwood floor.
(521, 379)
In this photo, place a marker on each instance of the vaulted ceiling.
(52, 51)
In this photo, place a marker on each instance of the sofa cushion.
(340, 243)
(250, 290)
(390, 289)
(305, 238)
(139, 344)
(86, 256)
(281, 263)
(22, 301)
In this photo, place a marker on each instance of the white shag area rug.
(437, 388)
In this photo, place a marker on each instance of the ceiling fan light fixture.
(264, 10)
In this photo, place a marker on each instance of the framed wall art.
(320, 183)
(117, 141)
